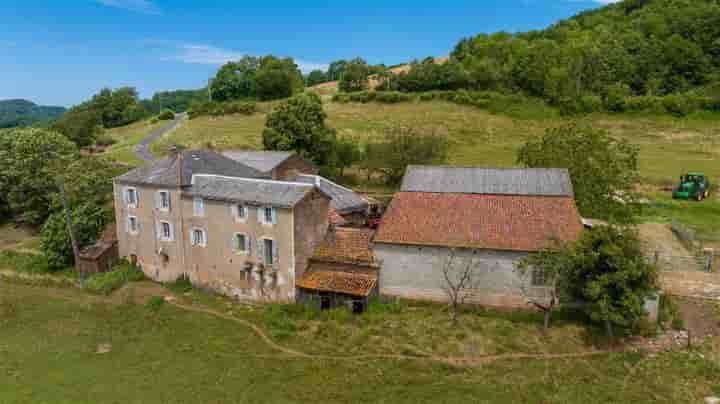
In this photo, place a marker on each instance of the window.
(198, 207)
(269, 252)
(132, 225)
(241, 212)
(267, 215)
(199, 238)
(241, 243)
(538, 278)
(131, 197)
(163, 200)
(165, 232)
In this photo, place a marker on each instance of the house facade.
(488, 219)
(224, 225)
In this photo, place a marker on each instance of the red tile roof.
(498, 222)
(356, 284)
(346, 245)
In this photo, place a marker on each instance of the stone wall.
(311, 226)
(289, 168)
(415, 272)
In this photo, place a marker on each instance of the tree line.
(645, 48)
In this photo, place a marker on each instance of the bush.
(108, 282)
(88, 221)
(155, 303)
(31, 263)
(644, 104)
(166, 115)
(222, 108)
(105, 140)
(181, 285)
(392, 97)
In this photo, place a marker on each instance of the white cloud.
(139, 6)
(212, 55)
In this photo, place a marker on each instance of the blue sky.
(61, 52)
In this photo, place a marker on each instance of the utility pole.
(68, 223)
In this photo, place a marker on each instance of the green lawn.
(703, 217)
(49, 339)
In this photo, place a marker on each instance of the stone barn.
(489, 217)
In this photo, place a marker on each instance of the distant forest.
(15, 113)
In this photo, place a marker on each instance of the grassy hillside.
(669, 145)
(90, 349)
(14, 113)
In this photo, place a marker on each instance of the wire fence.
(666, 262)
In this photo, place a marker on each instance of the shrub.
(590, 103)
(166, 115)
(222, 108)
(392, 97)
(87, 220)
(181, 285)
(108, 282)
(31, 263)
(155, 303)
(105, 140)
(645, 104)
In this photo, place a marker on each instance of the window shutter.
(192, 237)
(158, 203)
(233, 242)
(274, 216)
(260, 250)
(137, 198)
(247, 244)
(137, 223)
(275, 253)
(127, 225)
(169, 199)
(125, 198)
(172, 234)
(231, 210)
(158, 230)
(260, 214)
(205, 237)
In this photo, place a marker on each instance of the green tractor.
(692, 186)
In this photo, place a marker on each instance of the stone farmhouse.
(225, 225)
(264, 226)
(491, 217)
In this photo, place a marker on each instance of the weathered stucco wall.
(145, 244)
(415, 272)
(311, 225)
(218, 267)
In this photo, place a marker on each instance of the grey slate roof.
(264, 161)
(344, 200)
(495, 181)
(253, 191)
(165, 171)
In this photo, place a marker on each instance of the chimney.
(176, 153)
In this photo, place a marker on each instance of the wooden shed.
(101, 256)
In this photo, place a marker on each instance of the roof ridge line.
(192, 180)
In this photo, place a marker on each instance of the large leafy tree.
(81, 125)
(31, 160)
(298, 124)
(265, 78)
(316, 77)
(603, 169)
(607, 269)
(355, 76)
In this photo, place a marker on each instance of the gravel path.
(143, 148)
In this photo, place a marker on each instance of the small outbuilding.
(101, 256)
(342, 271)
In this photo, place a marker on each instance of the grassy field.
(53, 341)
(669, 146)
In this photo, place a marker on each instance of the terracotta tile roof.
(346, 245)
(351, 283)
(498, 222)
